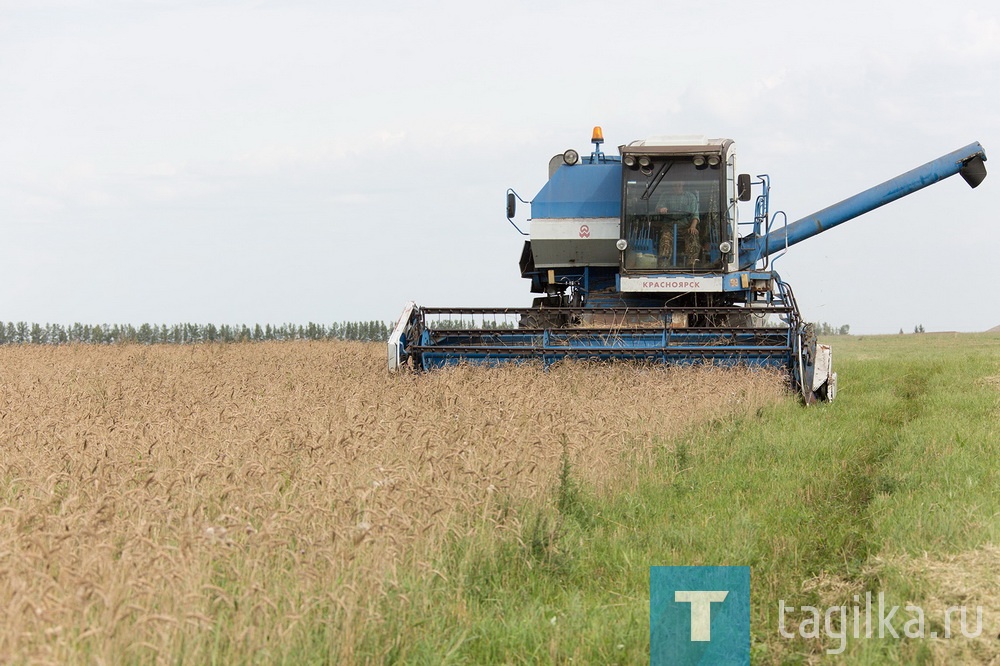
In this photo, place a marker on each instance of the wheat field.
(244, 502)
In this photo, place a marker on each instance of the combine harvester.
(642, 256)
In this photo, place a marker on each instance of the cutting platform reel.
(762, 337)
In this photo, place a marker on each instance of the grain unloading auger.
(641, 256)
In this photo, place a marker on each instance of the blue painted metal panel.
(757, 348)
(582, 190)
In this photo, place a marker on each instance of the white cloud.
(230, 133)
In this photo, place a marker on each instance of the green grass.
(905, 462)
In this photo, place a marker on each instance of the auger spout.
(967, 161)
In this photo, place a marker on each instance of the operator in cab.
(681, 209)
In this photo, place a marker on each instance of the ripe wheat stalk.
(156, 498)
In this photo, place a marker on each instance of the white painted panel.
(672, 283)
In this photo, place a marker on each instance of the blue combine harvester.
(641, 256)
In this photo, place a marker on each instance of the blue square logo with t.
(699, 615)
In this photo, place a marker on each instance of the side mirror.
(743, 187)
(511, 205)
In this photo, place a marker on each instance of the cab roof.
(685, 144)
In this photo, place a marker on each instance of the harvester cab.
(642, 256)
(655, 225)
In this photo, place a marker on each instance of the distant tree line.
(486, 325)
(103, 334)
(823, 328)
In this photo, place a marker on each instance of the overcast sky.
(293, 161)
